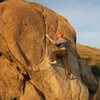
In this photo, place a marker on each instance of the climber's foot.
(53, 62)
(71, 76)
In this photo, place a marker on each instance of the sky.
(83, 15)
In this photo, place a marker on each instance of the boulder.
(25, 55)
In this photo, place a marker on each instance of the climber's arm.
(51, 40)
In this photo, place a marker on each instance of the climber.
(62, 45)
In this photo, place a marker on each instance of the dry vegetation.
(89, 53)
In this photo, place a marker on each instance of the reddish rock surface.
(25, 72)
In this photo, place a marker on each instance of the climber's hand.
(47, 35)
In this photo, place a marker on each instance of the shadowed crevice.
(39, 92)
(23, 54)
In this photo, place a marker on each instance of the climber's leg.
(53, 57)
(67, 66)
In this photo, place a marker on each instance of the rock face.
(87, 76)
(97, 94)
(25, 72)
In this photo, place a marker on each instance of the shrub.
(96, 69)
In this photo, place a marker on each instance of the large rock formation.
(25, 72)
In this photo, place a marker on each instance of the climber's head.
(60, 34)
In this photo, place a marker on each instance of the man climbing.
(62, 45)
